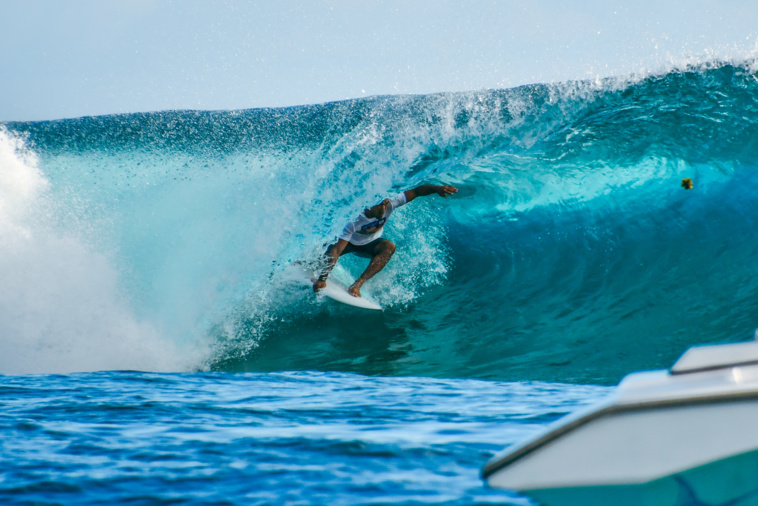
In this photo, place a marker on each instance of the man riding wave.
(363, 236)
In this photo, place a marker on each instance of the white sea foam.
(61, 309)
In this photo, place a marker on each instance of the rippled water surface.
(285, 438)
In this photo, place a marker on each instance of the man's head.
(378, 210)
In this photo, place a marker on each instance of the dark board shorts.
(365, 250)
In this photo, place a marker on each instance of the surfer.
(363, 237)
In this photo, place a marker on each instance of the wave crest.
(570, 253)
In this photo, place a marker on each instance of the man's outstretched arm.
(331, 256)
(429, 189)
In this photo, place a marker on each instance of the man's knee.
(387, 248)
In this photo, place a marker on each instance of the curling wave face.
(571, 252)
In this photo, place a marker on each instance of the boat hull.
(732, 481)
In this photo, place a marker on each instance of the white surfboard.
(337, 291)
(336, 287)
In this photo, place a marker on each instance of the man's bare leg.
(382, 254)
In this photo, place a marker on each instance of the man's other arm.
(332, 255)
(429, 189)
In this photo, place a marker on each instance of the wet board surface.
(337, 291)
(336, 287)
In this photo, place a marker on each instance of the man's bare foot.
(355, 290)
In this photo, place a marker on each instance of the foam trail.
(60, 305)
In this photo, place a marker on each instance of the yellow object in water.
(687, 183)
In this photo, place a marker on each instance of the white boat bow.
(660, 438)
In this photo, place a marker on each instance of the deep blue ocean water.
(163, 242)
(275, 438)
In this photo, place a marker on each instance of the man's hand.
(445, 190)
(319, 285)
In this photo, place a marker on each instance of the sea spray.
(61, 308)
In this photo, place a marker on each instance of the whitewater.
(158, 247)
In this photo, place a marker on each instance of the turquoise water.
(163, 242)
